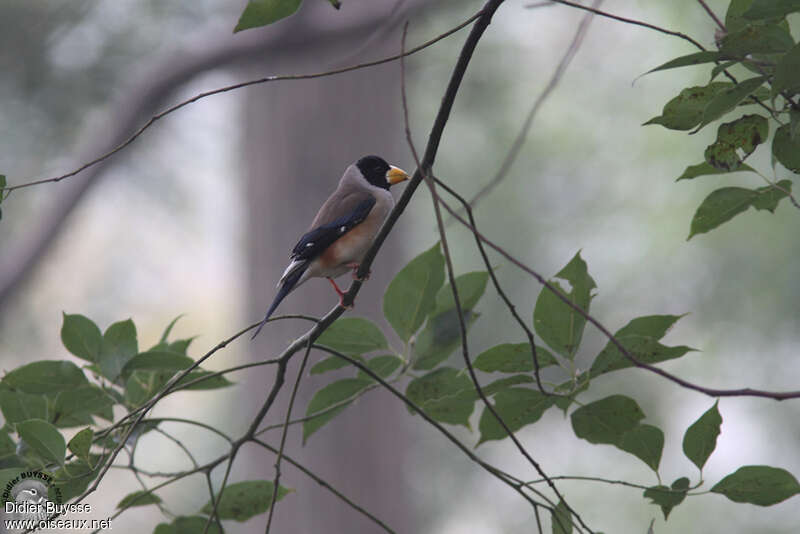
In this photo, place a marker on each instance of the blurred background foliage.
(164, 233)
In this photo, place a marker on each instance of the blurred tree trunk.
(298, 137)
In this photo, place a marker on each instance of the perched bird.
(343, 229)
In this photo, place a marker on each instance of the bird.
(343, 229)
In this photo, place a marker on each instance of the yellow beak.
(395, 175)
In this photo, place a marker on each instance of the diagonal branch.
(711, 392)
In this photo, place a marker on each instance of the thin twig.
(711, 392)
(457, 299)
(233, 87)
(629, 21)
(513, 152)
(327, 486)
(507, 479)
(712, 15)
(284, 433)
(507, 301)
(142, 411)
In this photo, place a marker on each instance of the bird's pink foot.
(341, 294)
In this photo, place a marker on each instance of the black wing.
(313, 243)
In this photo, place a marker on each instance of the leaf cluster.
(758, 42)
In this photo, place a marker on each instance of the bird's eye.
(343, 229)
(311, 244)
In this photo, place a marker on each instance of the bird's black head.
(374, 170)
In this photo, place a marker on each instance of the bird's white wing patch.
(296, 264)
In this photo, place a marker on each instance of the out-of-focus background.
(197, 215)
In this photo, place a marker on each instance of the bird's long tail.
(286, 287)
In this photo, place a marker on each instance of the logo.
(27, 497)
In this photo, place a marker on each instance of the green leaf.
(244, 500)
(640, 338)
(724, 204)
(138, 498)
(758, 484)
(685, 111)
(43, 438)
(768, 197)
(518, 407)
(79, 402)
(331, 395)
(734, 17)
(118, 347)
(156, 361)
(606, 420)
(18, 406)
(411, 296)
(704, 169)
(561, 519)
(46, 377)
(787, 150)
(787, 72)
(73, 478)
(745, 133)
(259, 13)
(331, 364)
(668, 498)
(765, 9)
(168, 329)
(570, 389)
(320, 419)
(213, 382)
(646, 442)
(503, 383)
(446, 394)
(439, 384)
(471, 287)
(440, 337)
(697, 58)
(700, 439)
(756, 39)
(7, 445)
(560, 326)
(81, 337)
(383, 366)
(512, 358)
(179, 345)
(719, 207)
(353, 336)
(718, 69)
(81, 443)
(141, 386)
(728, 99)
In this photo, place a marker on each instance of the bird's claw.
(355, 267)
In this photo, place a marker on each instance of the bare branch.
(711, 392)
(457, 300)
(712, 15)
(628, 21)
(326, 485)
(259, 81)
(284, 433)
(513, 152)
